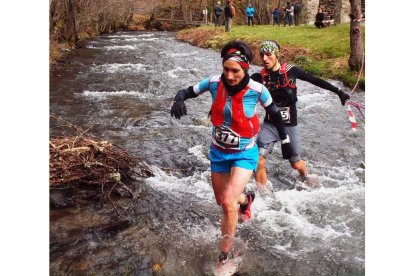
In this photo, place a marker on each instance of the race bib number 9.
(285, 112)
(226, 138)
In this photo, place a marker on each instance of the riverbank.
(322, 52)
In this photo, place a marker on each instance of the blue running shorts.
(221, 162)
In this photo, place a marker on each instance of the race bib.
(285, 112)
(226, 138)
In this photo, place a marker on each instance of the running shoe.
(244, 210)
(223, 257)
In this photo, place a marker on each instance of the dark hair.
(240, 45)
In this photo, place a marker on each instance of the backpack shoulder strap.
(264, 74)
(284, 68)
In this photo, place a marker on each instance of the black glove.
(342, 96)
(178, 109)
(287, 150)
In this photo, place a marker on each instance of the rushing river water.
(121, 87)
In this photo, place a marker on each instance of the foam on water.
(175, 55)
(197, 151)
(151, 39)
(291, 216)
(182, 71)
(120, 47)
(208, 234)
(129, 36)
(340, 175)
(151, 124)
(132, 39)
(197, 185)
(116, 47)
(274, 213)
(307, 101)
(107, 94)
(293, 203)
(118, 67)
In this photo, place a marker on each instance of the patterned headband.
(269, 47)
(237, 56)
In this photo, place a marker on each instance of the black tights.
(250, 19)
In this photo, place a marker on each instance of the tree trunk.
(70, 23)
(357, 50)
(268, 12)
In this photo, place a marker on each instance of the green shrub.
(303, 60)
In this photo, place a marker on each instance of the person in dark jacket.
(218, 10)
(296, 12)
(288, 14)
(228, 15)
(320, 16)
(280, 80)
(276, 15)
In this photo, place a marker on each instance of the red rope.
(357, 105)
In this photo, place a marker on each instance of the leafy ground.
(323, 52)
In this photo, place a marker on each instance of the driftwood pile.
(76, 160)
(80, 161)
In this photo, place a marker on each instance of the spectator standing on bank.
(250, 13)
(288, 14)
(296, 12)
(233, 9)
(218, 10)
(291, 14)
(320, 16)
(228, 15)
(276, 16)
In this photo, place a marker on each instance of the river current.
(120, 87)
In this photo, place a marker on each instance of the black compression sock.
(244, 206)
(223, 256)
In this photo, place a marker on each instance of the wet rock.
(143, 210)
(59, 200)
(299, 188)
(92, 245)
(115, 227)
(146, 262)
(198, 213)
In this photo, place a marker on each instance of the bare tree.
(357, 50)
(69, 25)
(263, 10)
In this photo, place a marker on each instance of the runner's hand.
(343, 96)
(178, 109)
(287, 150)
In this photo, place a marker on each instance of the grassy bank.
(322, 52)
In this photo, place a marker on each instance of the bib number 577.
(227, 138)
